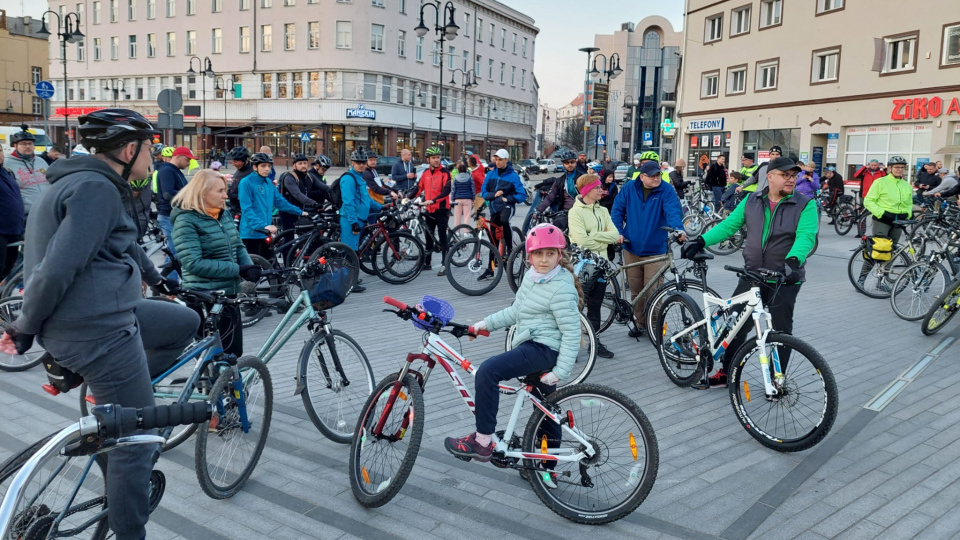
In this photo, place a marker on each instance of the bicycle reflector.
(543, 444)
(633, 446)
(746, 391)
(570, 417)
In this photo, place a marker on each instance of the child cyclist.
(546, 338)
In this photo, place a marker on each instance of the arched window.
(651, 40)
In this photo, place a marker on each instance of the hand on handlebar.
(272, 229)
(478, 329)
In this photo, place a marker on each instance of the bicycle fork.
(772, 383)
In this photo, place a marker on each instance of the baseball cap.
(782, 164)
(502, 154)
(183, 151)
(747, 155)
(777, 149)
(943, 170)
(650, 168)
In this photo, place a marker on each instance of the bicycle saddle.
(533, 378)
(703, 256)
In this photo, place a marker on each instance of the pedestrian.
(633, 171)
(676, 178)
(927, 178)
(948, 183)
(357, 207)
(833, 187)
(28, 168)
(12, 218)
(403, 173)
(435, 185)
(867, 175)
(808, 182)
(789, 223)
(51, 154)
(258, 199)
(464, 192)
(502, 189)
(376, 185)
(300, 189)
(890, 199)
(641, 208)
(716, 178)
(609, 164)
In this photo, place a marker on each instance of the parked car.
(550, 166)
(384, 164)
(530, 166)
(620, 173)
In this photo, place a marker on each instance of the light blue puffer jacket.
(546, 313)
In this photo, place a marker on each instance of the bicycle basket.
(440, 310)
(328, 283)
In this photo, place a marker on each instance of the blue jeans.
(717, 195)
(167, 227)
(529, 357)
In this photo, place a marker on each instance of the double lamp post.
(206, 71)
(447, 32)
(68, 31)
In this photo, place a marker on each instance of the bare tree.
(572, 135)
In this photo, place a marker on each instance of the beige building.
(23, 63)
(314, 75)
(829, 82)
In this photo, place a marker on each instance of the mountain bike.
(875, 277)
(9, 311)
(517, 262)
(946, 306)
(786, 398)
(393, 255)
(917, 289)
(56, 487)
(588, 451)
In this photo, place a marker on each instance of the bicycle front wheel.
(804, 407)
(681, 357)
(611, 483)
(943, 310)
(917, 289)
(517, 265)
(9, 311)
(399, 259)
(380, 464)
(473, 266)
(334, 380)
(875, 278)
(230, 443)
(846, 216)
(586, 356)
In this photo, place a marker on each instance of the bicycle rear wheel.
(517, 265)
(728, 246)
(473, 266)
(12, 285)
(917, 289)
(681, 359)
(943, 310)
(269, 286)
(878, 276)
(586, 357)
(379, 465)
(694, 222)
(805, 407)
(227, 452)
(400, 259)
(9, 311)
(617, 478)
(845, 218)
(334, 389)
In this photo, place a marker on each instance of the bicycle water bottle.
(732, 320)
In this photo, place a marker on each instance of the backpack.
(336, 198)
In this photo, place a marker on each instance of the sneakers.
(427, 266)
(603, 351)
(468, 448)
(487, 274)
(442, 272)
(718, 379)
(357, 288)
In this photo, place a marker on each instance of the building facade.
(569, 119)
(313, 76)
(546, 131)
(834, 82)
(23, 63)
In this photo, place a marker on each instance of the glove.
(355, 228)
(887, 218)
(166, 287)
(23, 342)
(901, 217)
(692, 247)
(791, 270)
(549, 379)
(250, 272)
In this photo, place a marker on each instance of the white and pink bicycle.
(588, 451)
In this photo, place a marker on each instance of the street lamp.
(413, 101)
(68, 31)
(116, 85)
(446, 32)
(611, 71)
(586, 82)
(21, 87)
(627, 104)
(207, 72)
(469, 81)
(491, 104)
(221, 85)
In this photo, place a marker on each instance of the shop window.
(713, 28)
(825, 66)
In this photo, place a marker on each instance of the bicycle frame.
(278, 338)
(654, 281)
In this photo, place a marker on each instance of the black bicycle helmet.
(566, 155)
(359, 154)
(323, 161)
(22, 135)
(259, 158)
(896, 160)
(299, 157)
(238, 153)
(371, 154)
(108, 129)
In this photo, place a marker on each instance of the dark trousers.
(258, 246)
(593, 300)
(717, 196)
(166, 328)
(780, 302)
(529, 357)
(437, 222)
(287, 221)
(8, 254)
(502, 219)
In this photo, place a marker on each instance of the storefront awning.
(949, 150)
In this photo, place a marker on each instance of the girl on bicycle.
(546, 315)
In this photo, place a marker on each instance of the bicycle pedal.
(702, 385)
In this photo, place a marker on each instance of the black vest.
(780, 236)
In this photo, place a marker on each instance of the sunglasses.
(569, 161)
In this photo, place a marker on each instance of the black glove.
(887, 218)
(250, 272)
(691, 247)
(21, 341)
(355, 228)
(791, 271)
(167, 286)
(901, 217)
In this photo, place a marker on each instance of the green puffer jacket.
(210, 251)
(546, 313)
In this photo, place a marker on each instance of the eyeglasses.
(791, 176)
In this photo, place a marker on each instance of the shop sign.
(715, 124)
(694, 139)
(833, 145)
(856, 130)
(920, 108)
(74, 111)
(362, 112)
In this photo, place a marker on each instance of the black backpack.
(335, 197)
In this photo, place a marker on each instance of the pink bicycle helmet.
(544, 236)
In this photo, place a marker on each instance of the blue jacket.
(463, 187)
(258, 198)
(509, 183)
(170, 180)
(398, 173)
(639, 220)
(12, 221)
(357, 204)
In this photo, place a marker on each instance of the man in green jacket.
(784, 225)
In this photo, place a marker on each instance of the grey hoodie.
(81, 259)
(949, 181)
(31, 175)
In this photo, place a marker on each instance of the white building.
(546, 130)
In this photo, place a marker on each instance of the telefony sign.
(714, 124)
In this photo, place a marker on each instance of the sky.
(565, 26)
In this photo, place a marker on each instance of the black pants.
(502, 219)
(258, 246)
(593, 300)
(438, 222)
(780, 302)
(8, 254)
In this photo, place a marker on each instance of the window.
(826, 6)
(490, 69)
(114, 48)
(315, 84)
(491, 35)
(523, 79)
(289, 36)
(713, 29)
(479, 30)
(376, 37)
(216, 41)
(466, 60)
(266, 85)
(96, 13)
(151, 45)
(297, 85)
(171, 43)
(740, 21)
(115, 10)
(450, 57)
(244, 5)
(171, 8)
(400, 91)
(369, 86)
(313, 35)
(132, 46)
(503, 69)
(436, 53)
(503, 39)
(266, 37)
(81, 51)
(466, 25)
(344, 34)
(825, 65)
(767, 75)
(151, 9)
(191, 42)
(377, 3)
(402, 6)
(476, 66)
(81, 17)
(900, 53)
(513, 75)
(419, 49)
(523, 48)
(216, 6)
(770, 13)
(386, 89)
(402, 43)
(36, 74)
(191, 7)
(267, 4)
(950, 46)
(244, 39)
(96, 49)
(281, 85)
(37, 106)
(290, 3)
(513, 43)
(709, 85)
(737, 80)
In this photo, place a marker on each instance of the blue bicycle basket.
(440, 310)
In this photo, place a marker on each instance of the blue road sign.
(305, 136)
(601, 140)
(647, 137)
(44, 90)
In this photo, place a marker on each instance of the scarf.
(572, 183)
(537, 277)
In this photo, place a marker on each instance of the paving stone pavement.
(887, 474)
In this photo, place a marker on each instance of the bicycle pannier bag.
(879, 248)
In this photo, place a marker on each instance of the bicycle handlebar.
(759, 275)
(114, 422)
(395, 303)
(408, 312)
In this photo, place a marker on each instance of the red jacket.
(435, 186)
(478, 175)
(866, 177)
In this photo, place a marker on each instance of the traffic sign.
(44, 90)
(647, 137)
(305, 136)
(601, 140)
(169, 100)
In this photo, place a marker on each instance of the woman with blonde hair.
(212, 257)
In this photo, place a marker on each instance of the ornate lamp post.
(447, 32)
(207, 72)
(68, 31)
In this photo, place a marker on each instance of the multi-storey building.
(311, 75)
(569, 118)
(834, 82)
(23, 63)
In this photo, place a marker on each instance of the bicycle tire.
(879, 277)
(386, 483)
(844, 218)
(12, 464)
(682, 360)
(403, 247)
(693, 223)
(796, 385)
(268, 286)
(586, 357)
(917, 289)
(653, 303)
(338, 255)
(608, 309)
(330, 404)
(10, 307)
(462, 231)
(943, 310)
(517, 265)
(730, 245)
(212, 472)
(613, 469)
(13, 285)
(467, 261)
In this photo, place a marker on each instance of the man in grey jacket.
(83, 299)
(29, 169)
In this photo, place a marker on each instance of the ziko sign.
(919, 108)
